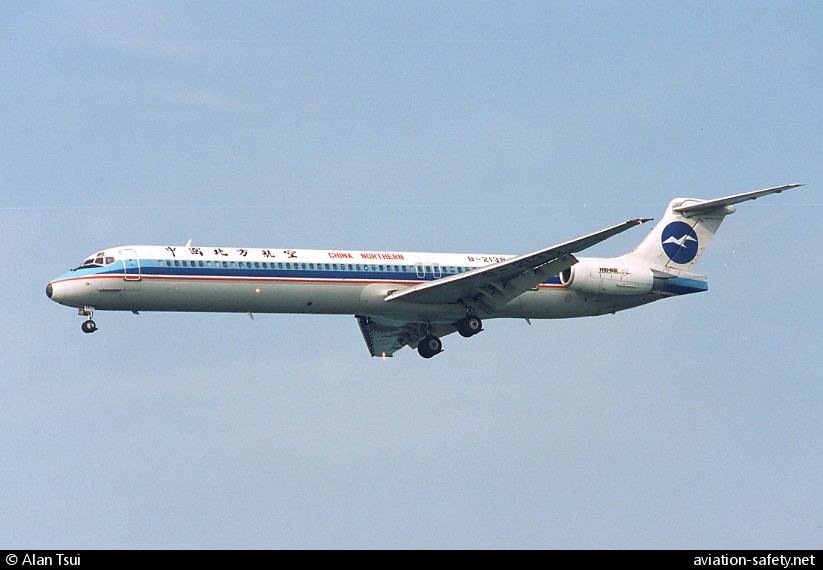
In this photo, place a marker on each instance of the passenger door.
(131, 265)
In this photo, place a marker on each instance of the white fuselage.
(215, 279)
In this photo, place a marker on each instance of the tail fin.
(676, 243)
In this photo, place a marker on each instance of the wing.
(492, 286)
(385, 337)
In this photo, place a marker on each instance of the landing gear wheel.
(429, 346)
(469, 326)
(89, 326)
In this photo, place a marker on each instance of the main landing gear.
(469, 326)
(89, 326)
(432, 345)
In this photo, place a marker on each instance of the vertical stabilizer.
(676, 243)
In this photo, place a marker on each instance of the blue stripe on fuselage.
(151, 268)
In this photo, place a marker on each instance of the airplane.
(405, 298)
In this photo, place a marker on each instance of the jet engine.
(610, 277)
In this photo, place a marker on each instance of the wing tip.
(779, 189)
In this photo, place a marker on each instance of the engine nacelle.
(610, 277)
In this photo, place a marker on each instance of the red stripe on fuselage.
(144, 277)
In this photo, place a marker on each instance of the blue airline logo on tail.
(679, 242)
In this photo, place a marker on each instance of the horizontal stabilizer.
(707, 206)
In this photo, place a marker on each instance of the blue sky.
(460, 126)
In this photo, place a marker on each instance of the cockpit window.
(98, 260)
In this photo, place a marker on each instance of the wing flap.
(384, 337)
(381, 341)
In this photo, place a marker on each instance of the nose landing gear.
(89, 326)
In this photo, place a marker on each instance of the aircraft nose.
(55, 292)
